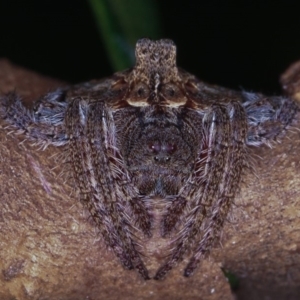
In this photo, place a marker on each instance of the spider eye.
(154, 147)
(171, 92)
(140, 91)
(170, 148)
(139, 95)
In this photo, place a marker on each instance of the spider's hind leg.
(43, 124)
(268, 117)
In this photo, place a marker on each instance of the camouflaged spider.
(154, 133)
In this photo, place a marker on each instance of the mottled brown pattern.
(152, 134)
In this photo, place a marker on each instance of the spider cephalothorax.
(152, 132)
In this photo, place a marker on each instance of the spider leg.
(141, 214)
(42, 125)
(216, 124)
(227, 187)
(172, 215)
(268, 117)
(87, 123)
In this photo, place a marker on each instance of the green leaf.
(232, 279)
(121, 23)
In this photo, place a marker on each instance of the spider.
(154, 133)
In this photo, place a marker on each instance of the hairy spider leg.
(218, 127)
(86, 128)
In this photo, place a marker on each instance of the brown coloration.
(290, 81)
(155, 132)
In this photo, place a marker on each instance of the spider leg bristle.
(269, 118)
(36, 128)
(226, 189)
(217, 123)
(94, 174)
(172, 215)
(140, 212)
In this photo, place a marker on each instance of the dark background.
(238, 44)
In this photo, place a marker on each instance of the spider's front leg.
(43, 124)
(94, 157)
(221, 161)
(235, 161)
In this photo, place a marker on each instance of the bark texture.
(50, 249)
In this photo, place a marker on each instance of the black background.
(238, 44)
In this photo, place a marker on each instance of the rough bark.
(50, 249)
